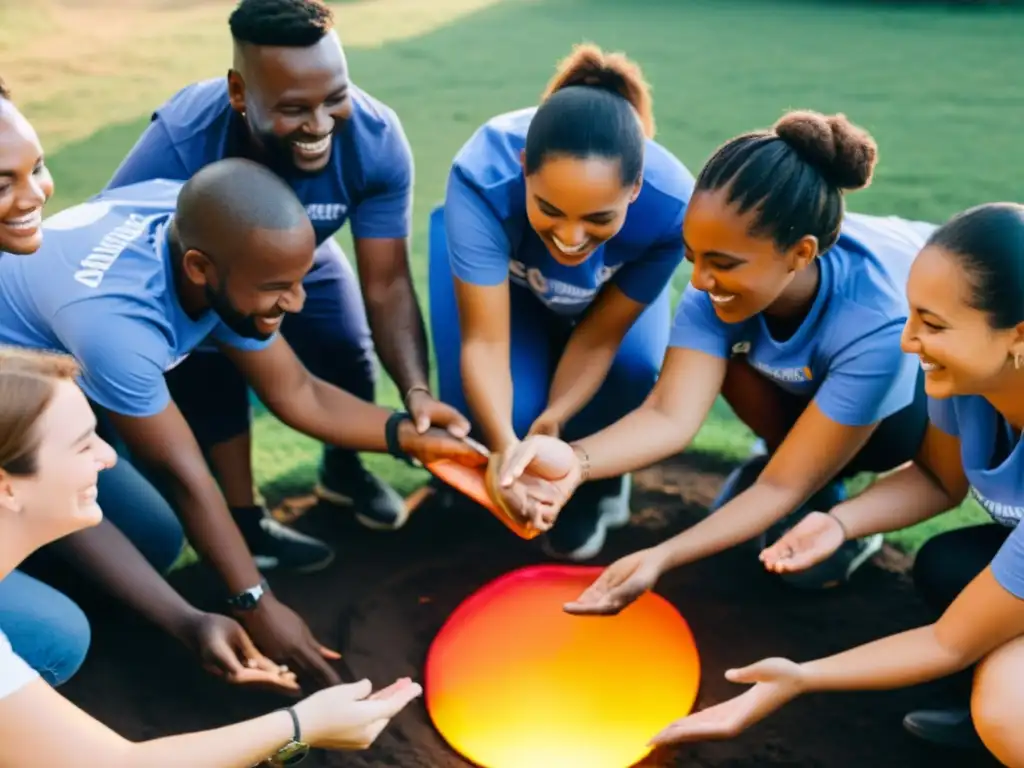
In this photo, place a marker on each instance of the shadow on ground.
(387, 595)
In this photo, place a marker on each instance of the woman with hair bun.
(793, 314)
(550, 303)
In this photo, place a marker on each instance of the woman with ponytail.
(550, 309)
(793, 314)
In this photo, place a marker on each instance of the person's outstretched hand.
(809, 542)
(777, 682)
(620, 584)
(226, 650)
(352, 716)
(436, 444)
(427, 411)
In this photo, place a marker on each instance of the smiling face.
(742, 274)
(575, 205)
(961, 353)
(293, 100)
(25, 183)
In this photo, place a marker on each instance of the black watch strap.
(391, 436)
(296, 750)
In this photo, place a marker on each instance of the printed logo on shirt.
(326, 211)
(558, 294)
(103, 255)
(786, 375)
(1007, 514)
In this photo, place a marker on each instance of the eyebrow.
(721, 254)
(545, 203)
(85, 435)
(936, 315)
(12, 174)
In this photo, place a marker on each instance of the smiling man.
(289, 104)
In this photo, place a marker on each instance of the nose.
(909, 342)
(106, 456)
(321, 123)
(571, 234)
(294, 299)
(701, 278)
(32, 195)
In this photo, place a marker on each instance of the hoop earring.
(1018, 361)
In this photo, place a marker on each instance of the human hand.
(778, 681)
(352, 716)
(620, 584)
(809, 542)
(284, 636)
(547, 423)
(427, 411)
(437, 444)
(226, 650)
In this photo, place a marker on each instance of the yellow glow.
(512, 681)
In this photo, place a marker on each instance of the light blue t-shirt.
(490, 238)
(846, 353)
(369, 178)
(997, 487)
(101, 288)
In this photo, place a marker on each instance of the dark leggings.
(947, 563)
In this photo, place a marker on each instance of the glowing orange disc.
(512, 681)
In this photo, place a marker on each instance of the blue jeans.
(46, 627)
(331, 336)
(538, 338)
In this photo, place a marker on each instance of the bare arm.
(932, 484)
(486, 373)
(666, 422)
(815, 449)
(590, 352)
(396, 321)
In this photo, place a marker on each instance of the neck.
(190, 296)
(1008, 399)
(12, 551)
(799, 295)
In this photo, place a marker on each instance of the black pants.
(947, 563)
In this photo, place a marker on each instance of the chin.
(312, 166)
(88, 516)
(939, 390)
(24, 246)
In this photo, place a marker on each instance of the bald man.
(129, 283)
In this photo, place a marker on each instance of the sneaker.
(839, 568)
(582, 525)
(274, 545)
(377, 505)
(944, 728)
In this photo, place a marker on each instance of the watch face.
(292, 753)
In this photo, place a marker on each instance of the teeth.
(27, 222)
(314, 147)
(721, 298)
(571, 249)
(929, 366)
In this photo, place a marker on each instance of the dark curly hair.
(285, 23)
(794, 175)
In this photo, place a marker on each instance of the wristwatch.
(295, 751)
(249, 598)
(391, 437)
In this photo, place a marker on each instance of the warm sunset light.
(512, 681)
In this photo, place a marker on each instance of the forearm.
(901, 499)
(897, 661)
(106, 556)
(241, 745)
(487, 381)
(581, 371)
(333, 416)
(399, 335)
(744, 517)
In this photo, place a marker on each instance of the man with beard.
(288, 103)
(129, 283)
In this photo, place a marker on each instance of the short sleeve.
(643, 280)
(153, 157)
(122, 360)
(1008, 564)
(386, 210)
(942, 413)
(696, 326)
(225, 335)
(15, 673)
(864, 379)
(478, 248)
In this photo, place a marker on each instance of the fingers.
(388, 706)
(312, 664)
(327, 653)
(438, 414)
(276, 678)
(356, 691)
(515, 462)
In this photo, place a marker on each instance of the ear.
(635, 193)
(8, 501)
(236, 91)
(803, 253)
(522, 160)
(197, 267)
(1017, 348)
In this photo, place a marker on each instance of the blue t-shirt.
(369, 178)
(846, 353)
(997, 487)
(490, 238)
(101, 288)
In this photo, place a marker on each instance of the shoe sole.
(595, 543)
(928, 737)
(341, 500)
(265, 564)
(874, 546)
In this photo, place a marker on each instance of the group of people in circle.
(134, 324)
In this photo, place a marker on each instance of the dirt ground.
(387, 595)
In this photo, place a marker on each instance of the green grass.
(939, 88)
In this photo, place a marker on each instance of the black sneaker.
(582, 525)
(838, 569)
(944, 728)
(344, 481)
(274, 545)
